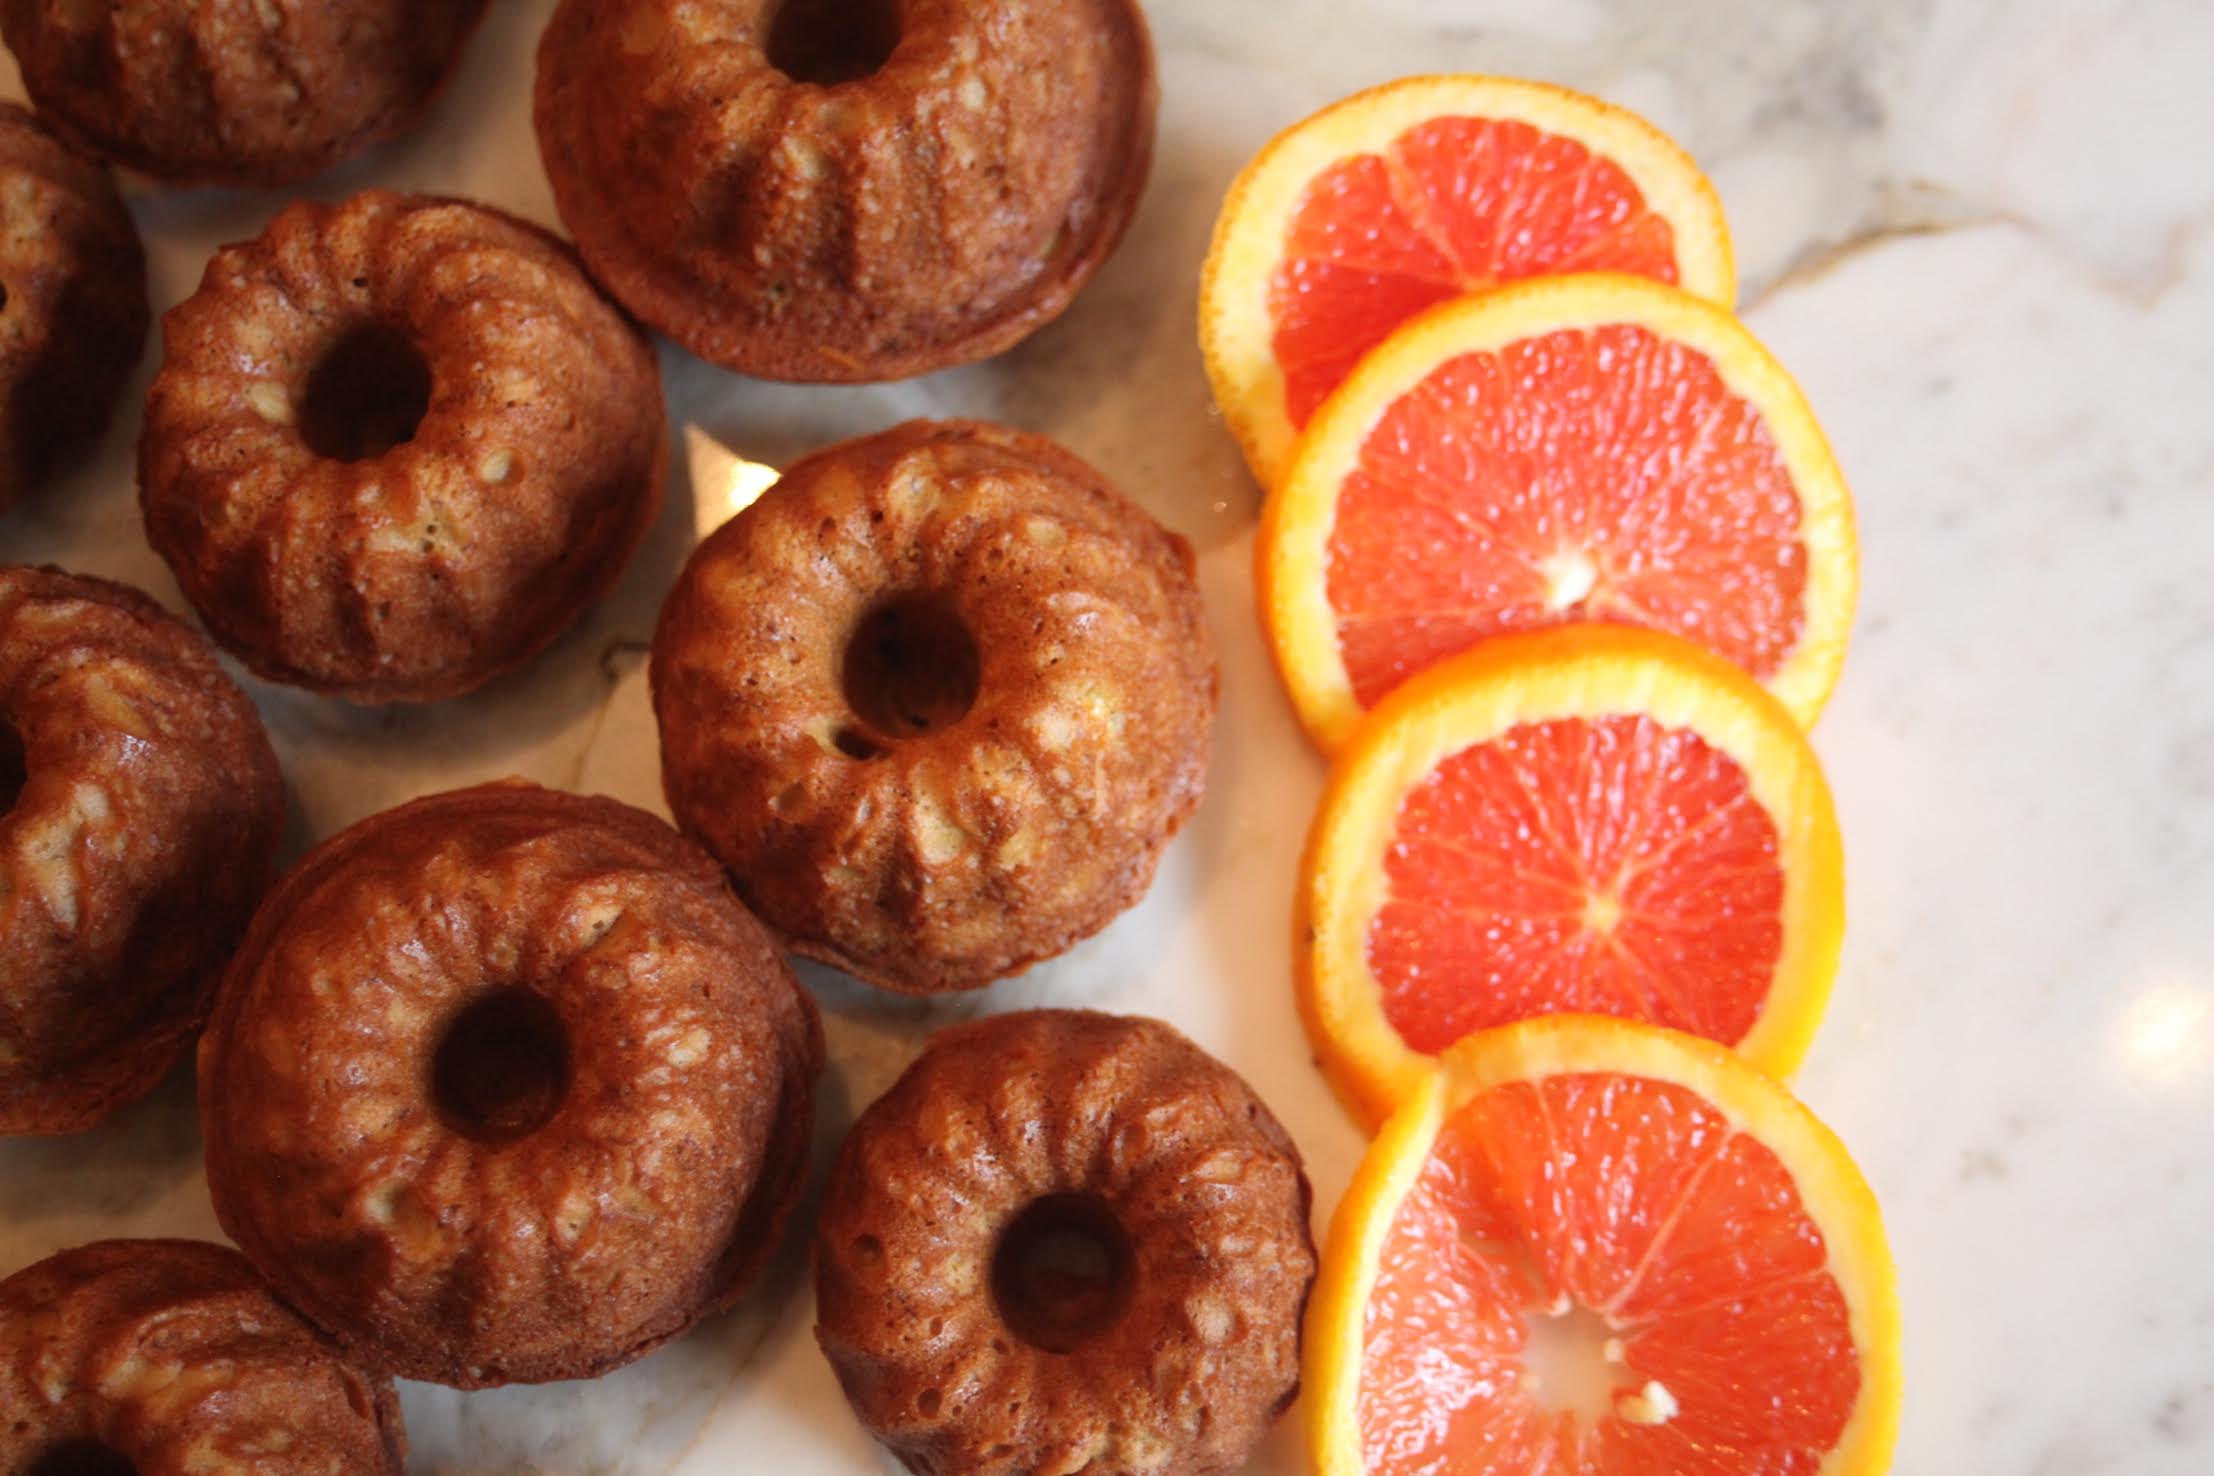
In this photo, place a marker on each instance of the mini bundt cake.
(72, 301)
(397, 445)
(170, 1358)
(938, 700)
(140, 812)
(504, 1086)
(241, 94)
(1065, 1241)
(841, 190)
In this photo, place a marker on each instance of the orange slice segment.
(1595, 819)
(1403, 196)
(1582, 448)
(1595, 1247)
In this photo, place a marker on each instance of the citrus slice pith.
(1596, 1247)
(1589, 448)
(1595, 819)
(1417, 191)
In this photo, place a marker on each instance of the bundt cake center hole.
(84, 1458)
(367, 394)
(503, 1067)
(831, 41)
(911, 668)
(1064, 1272)
(14, 773)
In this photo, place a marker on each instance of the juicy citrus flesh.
(1585, 1169)
(1394, 199)
(1593, 448)
(1505, 1227)
(1451, 206)
(1586, 474)
(1606, 865)
(1593, 819)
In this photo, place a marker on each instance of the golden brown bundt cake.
(140, 811)
(170, 1358)
(839, 190)
(240, 93)
(1065, 1242)
(938, 700)
(504, 1086)
(72, 301)
(397, 445)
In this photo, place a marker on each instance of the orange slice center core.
(1602, 912)
(1570, 578)
(1575, 1360)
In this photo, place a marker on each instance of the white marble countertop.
(1982, 234)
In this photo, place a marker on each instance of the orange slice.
(1595, 819)
(1595, 447)
(1403, 196)
(1594, 1247)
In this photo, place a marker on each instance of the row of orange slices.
(1557, 566)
